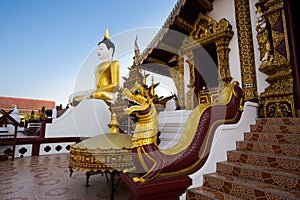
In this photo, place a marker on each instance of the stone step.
(265, 165)
(247, 188)
(275, 128)
(282, 178)
(281, 121)
(207, 193)
(292, 150)
(175, 116)
(171, 124)
(272, 137)
(170, 135)
(171, 129)
(169, 139)
(264, 159)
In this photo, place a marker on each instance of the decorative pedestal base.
(170, 188)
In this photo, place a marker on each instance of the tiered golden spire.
(113, 126)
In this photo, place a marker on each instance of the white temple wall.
(89, 118)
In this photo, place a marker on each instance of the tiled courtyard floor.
(48, 178)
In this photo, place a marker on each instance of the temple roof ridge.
(206, 5)
(163, 30)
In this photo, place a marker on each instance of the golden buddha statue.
(107, 73)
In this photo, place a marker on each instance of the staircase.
(171, 125)
(265, 165)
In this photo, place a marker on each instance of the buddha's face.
(103, 52)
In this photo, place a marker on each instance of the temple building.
(231, 59)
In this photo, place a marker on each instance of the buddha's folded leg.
(77, 99)
(100, 94)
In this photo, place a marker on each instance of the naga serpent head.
(139, 98)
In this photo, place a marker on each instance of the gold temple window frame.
(204, 31)
(207, 31)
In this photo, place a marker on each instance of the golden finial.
(113, 126)
(106, 35)
(152, 86)
(144, 79)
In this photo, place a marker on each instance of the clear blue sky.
(43, 43)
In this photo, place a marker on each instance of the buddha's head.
(106, 48)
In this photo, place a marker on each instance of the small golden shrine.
(103, 153)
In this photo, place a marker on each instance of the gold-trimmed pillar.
(190, 95)
(207, 31)
(246, 50)
(223, 64)
(277, 100)
(177, 73)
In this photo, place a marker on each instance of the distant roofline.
(25, 105)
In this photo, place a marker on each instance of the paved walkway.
(48, 178)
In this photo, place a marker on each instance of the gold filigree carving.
(183, 24)
(281, 107)
(246, 49)
(208, 96)
(206, 31)
(143, 141)
(277, 99)
(223, 65)
(177, 74)
(100, 159)
(203, 26)
(190, 95)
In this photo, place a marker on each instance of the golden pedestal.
(107, 154)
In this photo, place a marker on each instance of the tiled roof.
(25, 106)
